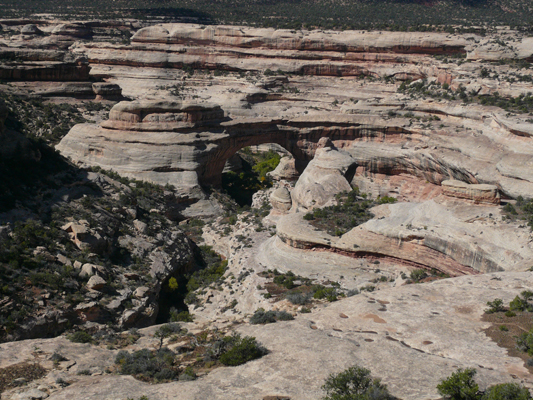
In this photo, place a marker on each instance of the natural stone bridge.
(187, 144)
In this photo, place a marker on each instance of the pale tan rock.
(95, 283)
(281, 199)
(435, 235)
(286, 169)
(140, 226)
(85, 238)
(323, 178)
(477, 193)
(88, 270)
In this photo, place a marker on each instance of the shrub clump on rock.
(461, 385)
(148, 365)
(80, 337)
(355, 383)
(241, 350)
(267, 317)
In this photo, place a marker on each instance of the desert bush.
(298, 298)
(507, 391)
(267, 317)
(241, 350)
(322, 292)
(286, 280)
(460, 385)
(524, 342)
(495, 306)
(418, 274)
(148, 364)
(165, 331)
(180, 316)
(521, 303)
(80, 337)
(188, 374)
(355, 383)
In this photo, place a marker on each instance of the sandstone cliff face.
(347, 41)
(340, 114)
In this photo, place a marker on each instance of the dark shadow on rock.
(176, 13)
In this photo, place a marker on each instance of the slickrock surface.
(431, 329)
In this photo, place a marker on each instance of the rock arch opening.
(253, 168)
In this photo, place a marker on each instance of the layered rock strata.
(477, 193)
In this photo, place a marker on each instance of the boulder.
(281, 199)
(85, 238)
(286, 169)
(89, 270)
(89, 311)
(140, 226)
(96, 283)
(73, 30)
(31, 30)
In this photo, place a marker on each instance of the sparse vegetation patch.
(352, 209)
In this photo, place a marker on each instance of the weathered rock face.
(31, 29)
(3, 115)
(77, 30)
(286, 169)
(187, 144)
(160, 116)
(106, 91)
(324, 177)
(434, 234)
(477, 193)
(349, 53)
(42, 65)
(85, 238)
(347, 41)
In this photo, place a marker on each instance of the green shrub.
(386, 200)
(510, 314)
(286, 280)
(269, 164)
(267, 317)
(521, 303)
(418, 275)
(165, 331)
(355, 383)
(507, 391)
(524, 342)
(460, 386)
(322, 292)
(298, 298)
(495, 306)
(182, 316)
(80, 337)
(241, 350)
(188, 374)
(148, 364)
